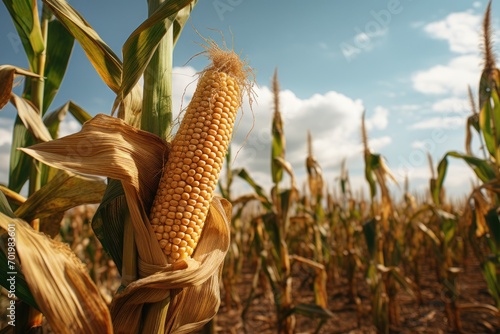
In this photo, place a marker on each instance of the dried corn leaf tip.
(197, 152)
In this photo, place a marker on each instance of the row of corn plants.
(340, 236)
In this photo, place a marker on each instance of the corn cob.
(198, 149)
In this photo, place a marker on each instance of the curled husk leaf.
(58, 281)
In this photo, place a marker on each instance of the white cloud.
(68, 126)
(452, 105)
(439, 123)
(408, 107)
(4, 164)
(184, 81)
(5, 137)
(333, 119)
(461, 30)
(452, 78)
(5, 144)
(458, 177)
(379, 120)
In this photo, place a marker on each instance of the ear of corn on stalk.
(198, 149)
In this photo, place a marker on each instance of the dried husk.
(119, 151)
(58, 281)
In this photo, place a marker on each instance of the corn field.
(131, 225)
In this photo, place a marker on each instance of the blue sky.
(407, 63)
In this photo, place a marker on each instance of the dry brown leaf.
(59, 282)
(481, 209)
(7, 75)
(6, 83)
(30, 116)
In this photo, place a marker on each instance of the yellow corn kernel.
(197, 151)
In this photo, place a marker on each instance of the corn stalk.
(384, 237)
(484, 199)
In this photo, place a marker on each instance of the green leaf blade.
(59, 48)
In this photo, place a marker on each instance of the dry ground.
(428, 317)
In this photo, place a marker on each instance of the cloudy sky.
(407, 63)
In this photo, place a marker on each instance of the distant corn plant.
(440, 226)
(345, 214)
(272, 233)
(384, 236)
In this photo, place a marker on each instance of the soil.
(428, 316)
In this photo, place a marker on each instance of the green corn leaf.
(20, 163)
(495, 110)
(24, 13)
(490, 77)
(490, 275)
(278, 135)
(59, 47)
(494, 227)
(53, 119)
(78, 113)
(403, 281)
(107, 222)
(181, 19)
(287, 198)
(485, 122)
(142, 43)
(448, 227)
(242, 173)
(313, 311)
(65, 191)
(482, 168)
(372, 162)
(104, 60)
(372, 276)
(370, 233)
(272, 229)
(5, 206)
(344, 178)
